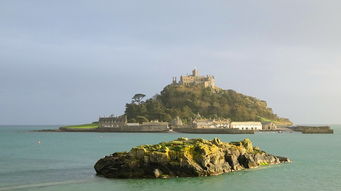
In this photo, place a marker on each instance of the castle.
(195, 79)
(120, 123)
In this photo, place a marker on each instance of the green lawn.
(83, 126)
(263, 119)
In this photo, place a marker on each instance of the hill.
(189, 102)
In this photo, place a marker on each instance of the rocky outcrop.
(313, 129)
(185, 158)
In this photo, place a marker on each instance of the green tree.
(141, 119)
(137, 98)
(187, 102)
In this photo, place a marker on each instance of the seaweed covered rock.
(185, 157)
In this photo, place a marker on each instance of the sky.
(71, 61)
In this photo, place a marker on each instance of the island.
(185, 157)
(193, 104)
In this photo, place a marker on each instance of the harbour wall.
(212, 131)
(314, 129)
(144, 128)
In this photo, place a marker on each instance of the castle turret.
(174, 81)
(195, 72)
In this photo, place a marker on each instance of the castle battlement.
(195, 79)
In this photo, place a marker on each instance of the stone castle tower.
(195, 72)
(195, 79)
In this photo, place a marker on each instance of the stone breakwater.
(185, 158)
(313, 129)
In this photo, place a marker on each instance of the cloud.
(59, 58)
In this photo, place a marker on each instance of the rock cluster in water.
(185, 157)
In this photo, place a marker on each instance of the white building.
(247, 125)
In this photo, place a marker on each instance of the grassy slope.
(83, 126)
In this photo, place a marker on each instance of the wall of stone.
(313, 130)
(140, 128)
(212, 131)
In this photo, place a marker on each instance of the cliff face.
(185, 158)
(189, 101)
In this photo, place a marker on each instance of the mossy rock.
(184, 157)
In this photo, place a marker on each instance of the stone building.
(247, 125)
(211, 123)
(195, 79)
(155, 123)
(112, 122)
(223, 123)
(177, 122)
(121, 122)
(269, 126)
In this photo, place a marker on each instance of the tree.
(137, 98)
(141, 119)
(186, 102)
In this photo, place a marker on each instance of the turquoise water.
(64, 161)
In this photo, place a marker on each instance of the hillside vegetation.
(191, 102)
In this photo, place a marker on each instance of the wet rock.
(185, 157)
(283, 159)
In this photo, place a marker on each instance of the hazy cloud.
(71, 61)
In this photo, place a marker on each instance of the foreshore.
(297, 129)
(174, 130)
(177, 130)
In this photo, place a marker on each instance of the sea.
(50, 161)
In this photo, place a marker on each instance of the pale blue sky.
(68, 62)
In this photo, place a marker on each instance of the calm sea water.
(64, 161)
